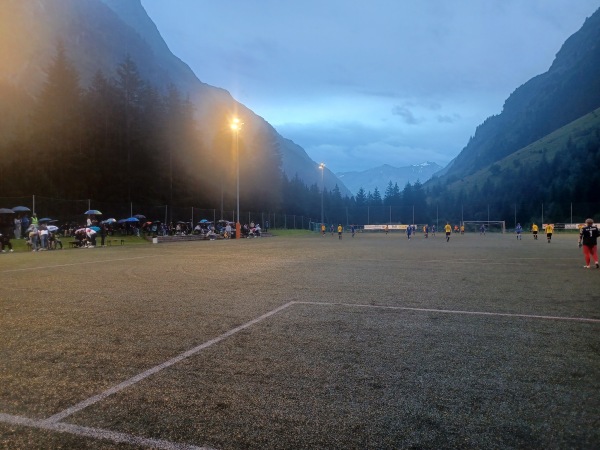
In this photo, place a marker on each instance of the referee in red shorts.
(588, 238)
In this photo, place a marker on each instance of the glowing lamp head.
(236, 124)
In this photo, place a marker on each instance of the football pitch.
(308, 342)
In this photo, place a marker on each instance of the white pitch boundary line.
(98, 433)
(452, 311)
(78, 264)
(136, 379)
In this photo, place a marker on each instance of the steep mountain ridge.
(567, 91)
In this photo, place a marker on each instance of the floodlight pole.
(236, 125)
(322, 167)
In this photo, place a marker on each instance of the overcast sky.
(363, 83)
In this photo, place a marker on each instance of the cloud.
(406, 114)
(448, 118)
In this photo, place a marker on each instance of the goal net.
(479, 226)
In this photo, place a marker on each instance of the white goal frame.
(478, 224)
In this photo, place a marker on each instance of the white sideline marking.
(451, 311)
(97, 433)
(78, 264)
(125, 384)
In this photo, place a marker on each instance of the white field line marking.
(451, 311)
(136, 379)
(78, 264)
(97, 433)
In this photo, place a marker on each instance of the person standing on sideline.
(448, 229)
(518, 230)
(588, 239)
(17, 223)
(549, 230)
(340, 230)
(386, 228)
(323, 229)
(25, 226)
(43, 231)
(103, 233)
(534, 230)
(34, 238)
(408, 232)
(482, 230)
(352, 230)
(34, 220)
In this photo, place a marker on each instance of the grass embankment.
(19, 245)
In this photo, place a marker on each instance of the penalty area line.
(452, 311)
(136, 379)
(97, 433)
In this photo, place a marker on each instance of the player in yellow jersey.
(534, 230)
(448, 229)
(549, 230)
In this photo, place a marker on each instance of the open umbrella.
(21, 209)
(94, 212)
(45, 219)
(52, 228)
(204, 221)
(96, 229)
(131, 219)
(139, 216)
(111, 220)
(6, 211)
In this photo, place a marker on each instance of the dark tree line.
(568, 181)
(121, 139)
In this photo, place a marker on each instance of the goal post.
(494, 226)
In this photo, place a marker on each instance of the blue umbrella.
(94, 212)
(204, 221)
(131, 219)
(111, 220)
(96, 229)
(21, 209)
(45, 219)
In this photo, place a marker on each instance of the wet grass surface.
(348, 371)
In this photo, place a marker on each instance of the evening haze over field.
(363, 84)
